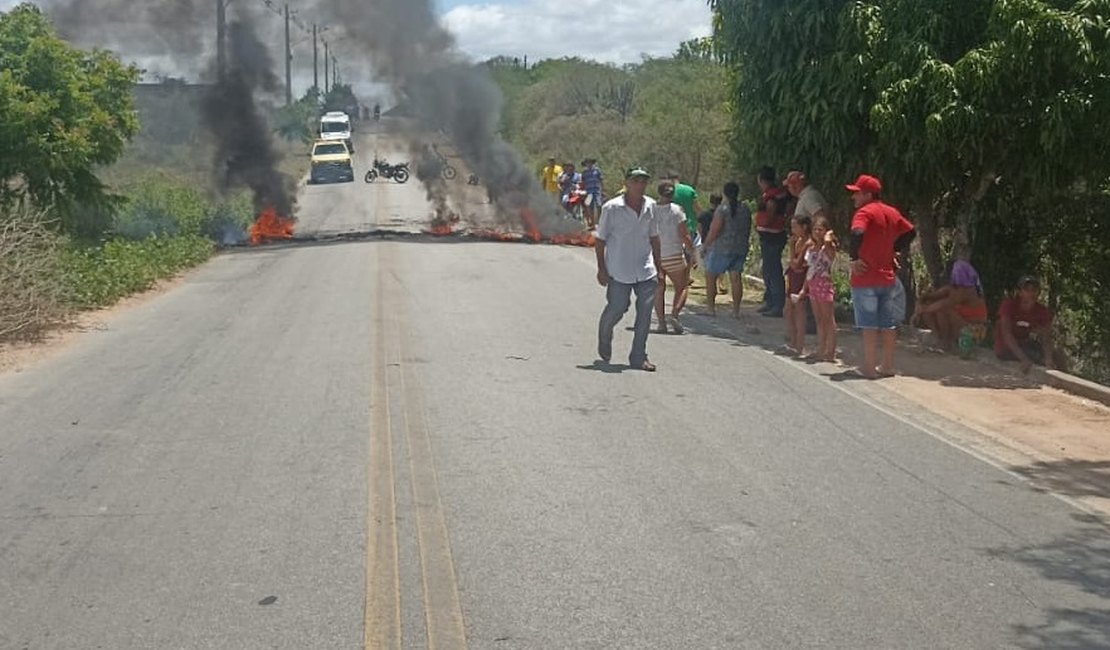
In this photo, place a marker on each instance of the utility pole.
(327, 61)
(288, 62)
(315, 63)
(334, 72)
(221, 39)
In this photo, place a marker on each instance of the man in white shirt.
(628, 260)
(810, 201)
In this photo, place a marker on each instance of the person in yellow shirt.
(550, 177)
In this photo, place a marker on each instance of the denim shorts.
(876, 307)
(721, 263)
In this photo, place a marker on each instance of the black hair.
(732, 191)
(767, 174)
(715, 199)
(806, 222)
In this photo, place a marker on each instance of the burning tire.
(401, 175)
(449, 173)
(371, 176)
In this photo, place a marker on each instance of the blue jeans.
(771, 245)
(718, 263)
(619, 296)
(876, 307)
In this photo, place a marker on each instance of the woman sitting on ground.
(953, 307)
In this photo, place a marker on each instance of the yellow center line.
(442, 609)
(443, 616)
(382, 620)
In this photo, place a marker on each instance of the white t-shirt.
(810, 202)
(670, 216)
(627, 238)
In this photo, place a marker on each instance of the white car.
(336, 125)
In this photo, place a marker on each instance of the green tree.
(684, 103)
(986, 119)
(63, 113)
(341, 97)
(801, 97)
(294, 122)
(990, 96)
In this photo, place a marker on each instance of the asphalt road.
(400, 442)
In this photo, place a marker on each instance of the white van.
(336, 125)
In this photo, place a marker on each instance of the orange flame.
(440, 229)
(270, 226)
(575, 239)
(495, 235)
(531, 224)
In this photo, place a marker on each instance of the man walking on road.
(628, 260)
(878, 230)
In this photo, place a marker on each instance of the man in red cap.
(878, 230)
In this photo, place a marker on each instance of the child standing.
(820, 254)
(795, 308)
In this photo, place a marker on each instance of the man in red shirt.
(770, 221)
(878, 230)
(1023, 331)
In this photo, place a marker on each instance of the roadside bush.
(100, 275)
(229, 220)
(32, 284)
(158, 206)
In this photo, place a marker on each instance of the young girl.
(795, 309)
(819, 255)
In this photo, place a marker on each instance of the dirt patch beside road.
(1057, 440)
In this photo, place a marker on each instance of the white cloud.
(603, 30)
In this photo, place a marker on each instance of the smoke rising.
(407, 47)
(403, 44)
(148, 31)
(245, 151)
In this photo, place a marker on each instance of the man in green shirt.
(687, 197)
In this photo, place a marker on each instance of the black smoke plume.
(401, 41)
(408, 48)
(245, 154)
(169, 36)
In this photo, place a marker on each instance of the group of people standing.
(567, 184)
(642, 243)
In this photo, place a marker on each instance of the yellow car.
(331, 161)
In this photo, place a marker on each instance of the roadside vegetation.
(662, 113)
(105, 185)
(984, 118)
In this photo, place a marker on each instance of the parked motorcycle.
(398, 172)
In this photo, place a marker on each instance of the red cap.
(866, 183)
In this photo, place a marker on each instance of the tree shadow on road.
(1068, 629)
(1081, 559)
(1073, 477)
